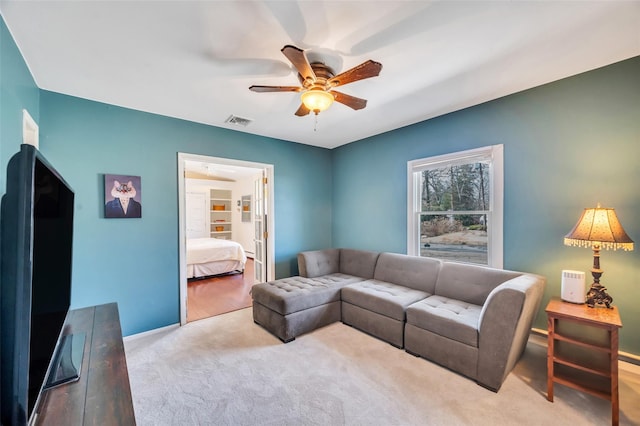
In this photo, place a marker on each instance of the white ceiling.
(195, 60)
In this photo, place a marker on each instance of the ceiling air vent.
(238, 121)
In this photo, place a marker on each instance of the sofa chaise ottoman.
(293, 306)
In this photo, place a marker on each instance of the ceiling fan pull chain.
(315, 124)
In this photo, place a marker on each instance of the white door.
(196, 217)
(260, 233)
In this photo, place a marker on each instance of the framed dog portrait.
(122, 196)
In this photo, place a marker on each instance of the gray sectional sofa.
(472, 319)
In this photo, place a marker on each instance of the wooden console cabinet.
(583, 350)
(102, 395)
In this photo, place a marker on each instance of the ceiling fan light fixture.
(317, 100)
(318, 80)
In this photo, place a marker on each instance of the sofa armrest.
(316, 263)
(505, 324)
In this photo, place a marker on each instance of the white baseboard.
(151, 332)
(628, 361)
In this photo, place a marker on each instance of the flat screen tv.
(37, 235)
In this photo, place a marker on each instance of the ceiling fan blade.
(302, 111)
(366, 69)
(299, 60)
(262, 89)
(348, 100)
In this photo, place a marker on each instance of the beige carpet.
(226, 370)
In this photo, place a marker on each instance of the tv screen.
(37, 235)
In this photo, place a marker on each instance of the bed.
(213, 256)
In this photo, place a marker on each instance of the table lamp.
(598, 228)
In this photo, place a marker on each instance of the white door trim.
(182, 252)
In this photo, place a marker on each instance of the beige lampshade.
(317, 100)
(599, 226)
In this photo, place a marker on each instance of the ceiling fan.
(318, 81)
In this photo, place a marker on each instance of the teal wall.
(18, 91)
(135, 261)
(567, 145)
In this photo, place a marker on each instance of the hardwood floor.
(214, 296)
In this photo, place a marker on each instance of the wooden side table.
(582, 350)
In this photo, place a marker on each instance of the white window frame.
(495, 153)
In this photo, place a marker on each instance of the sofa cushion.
(449, 318)
(384, 298)
(288, 295)
(318, 263)
(470, 283)
(359, 263)
(419, 273)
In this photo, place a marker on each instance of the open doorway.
(226, 203)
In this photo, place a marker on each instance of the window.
(455, 206)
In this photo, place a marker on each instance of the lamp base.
(597, 295)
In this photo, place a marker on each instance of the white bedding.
(212, 256)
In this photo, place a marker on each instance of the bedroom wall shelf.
(220, 211)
